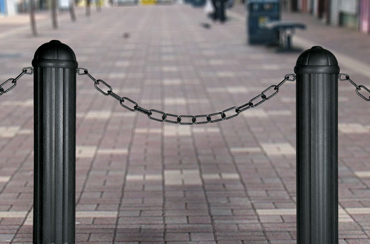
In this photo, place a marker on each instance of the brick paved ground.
(140, 181)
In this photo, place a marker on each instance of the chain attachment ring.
(27, 70)
(82, 71)
(290, 77)
(343, 77)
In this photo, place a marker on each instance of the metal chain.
(27, 71)
(343, 77)
(157, 115)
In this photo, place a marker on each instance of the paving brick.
(139, 181)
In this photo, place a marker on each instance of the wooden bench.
(284, 32)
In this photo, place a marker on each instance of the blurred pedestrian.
(229, 3)
(219, 10)
(209, 9)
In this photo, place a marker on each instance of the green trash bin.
(198, 3)
(259, 13)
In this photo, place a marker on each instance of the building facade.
(12, 7)
(353, 14)
(8, 7)
(318, 8)
(364, 19)
(347, 13)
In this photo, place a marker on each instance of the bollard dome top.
(55, 54)
(317, 60)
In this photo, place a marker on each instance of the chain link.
(13, 81)
(359, 88)
(157, 115)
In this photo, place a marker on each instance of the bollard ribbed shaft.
(55, 141)
(317, 147)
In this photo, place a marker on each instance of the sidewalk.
(141, 181)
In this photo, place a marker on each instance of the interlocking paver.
(140, 181)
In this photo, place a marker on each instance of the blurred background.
(344, 13)
(140, 181)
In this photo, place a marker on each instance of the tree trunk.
(87, 7)
(54, 13)
(32, 18)
(98, 5)
(72, 11)
(294, 5)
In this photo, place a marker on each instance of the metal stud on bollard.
(55, 142)
(317, 147)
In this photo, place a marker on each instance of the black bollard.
(55, 142)
(317, 147)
